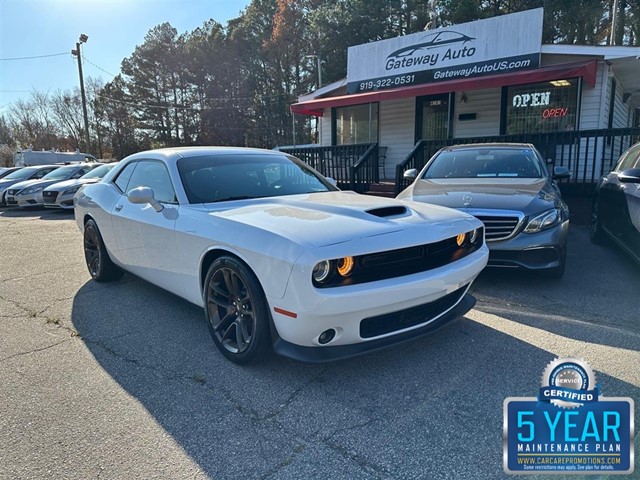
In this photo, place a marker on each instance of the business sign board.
(569, 428)
(503, 44)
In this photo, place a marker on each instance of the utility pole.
(76, 52)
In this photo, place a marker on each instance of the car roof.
(173, 153)
(496, 145)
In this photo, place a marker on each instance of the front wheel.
(100, 266)
(236, 310)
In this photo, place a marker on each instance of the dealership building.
(488, 80)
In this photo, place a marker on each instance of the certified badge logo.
(569, 427)
(568, 383)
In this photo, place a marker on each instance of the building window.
(356, 124)
(542, 107)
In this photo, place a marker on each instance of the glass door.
(433, 120)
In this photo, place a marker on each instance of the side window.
(154, 175)
(122, 180)
(628, 158)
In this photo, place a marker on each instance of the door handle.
(118, 207)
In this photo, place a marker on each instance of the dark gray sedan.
(509, 188)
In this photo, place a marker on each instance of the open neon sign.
(555, 112)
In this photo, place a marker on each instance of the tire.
(237, 312)
(100, 266)
(596, 233)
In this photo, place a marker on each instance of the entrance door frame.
(450, 97)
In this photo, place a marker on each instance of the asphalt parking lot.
(122, 380)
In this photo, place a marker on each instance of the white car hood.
(23, 184)
(328, 218)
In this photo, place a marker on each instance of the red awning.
(586, 70)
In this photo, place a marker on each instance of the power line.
(35, 56)
(85, 59)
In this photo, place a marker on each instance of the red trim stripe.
(285, 312)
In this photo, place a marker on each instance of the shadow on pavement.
(431, 408)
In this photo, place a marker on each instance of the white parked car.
(29, 193)
(277, 256)
(60, 195)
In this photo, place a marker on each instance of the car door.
(630, 224)
(612, 203)
(145, 237)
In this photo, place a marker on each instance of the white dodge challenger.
(278, 257)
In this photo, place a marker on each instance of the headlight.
(460, 239)
(545, 220)
(321, 271)
(475, 236)
(30, 190)
(71, 191)
(345, 266)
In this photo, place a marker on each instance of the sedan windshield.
(99, 172)
(486, 163)
(61, 173)
(219, 178)
(22, 174)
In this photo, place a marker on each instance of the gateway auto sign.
(486, 47)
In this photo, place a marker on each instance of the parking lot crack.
(35, 350)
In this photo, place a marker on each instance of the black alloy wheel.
(100, 266)
(236, 310)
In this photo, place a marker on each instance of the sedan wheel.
(236, 311)
(100, 266)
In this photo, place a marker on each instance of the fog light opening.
(326, 336)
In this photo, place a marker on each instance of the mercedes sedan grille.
(498, 227)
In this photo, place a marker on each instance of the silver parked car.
(29, 193)
(509, 188)
(60, 195)
(21, 175)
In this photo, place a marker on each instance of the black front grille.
(498, 228)
(401, 262)
(49, 197)
(392, 322)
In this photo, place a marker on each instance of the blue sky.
(44, 27)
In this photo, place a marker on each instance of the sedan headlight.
(72, 190)
(30, 190)
(547, 219)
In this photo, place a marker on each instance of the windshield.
(486, 163)
(218, 178)
(22, 174)
(98, 172)
(61, 173)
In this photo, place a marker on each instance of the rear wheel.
(100, 266)
(236, 310)
(596, 233)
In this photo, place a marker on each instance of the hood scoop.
(392, 211)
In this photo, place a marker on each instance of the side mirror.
(631, 175)
(332, 181)
(410, 174)
(144, 195)
(561, 172)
